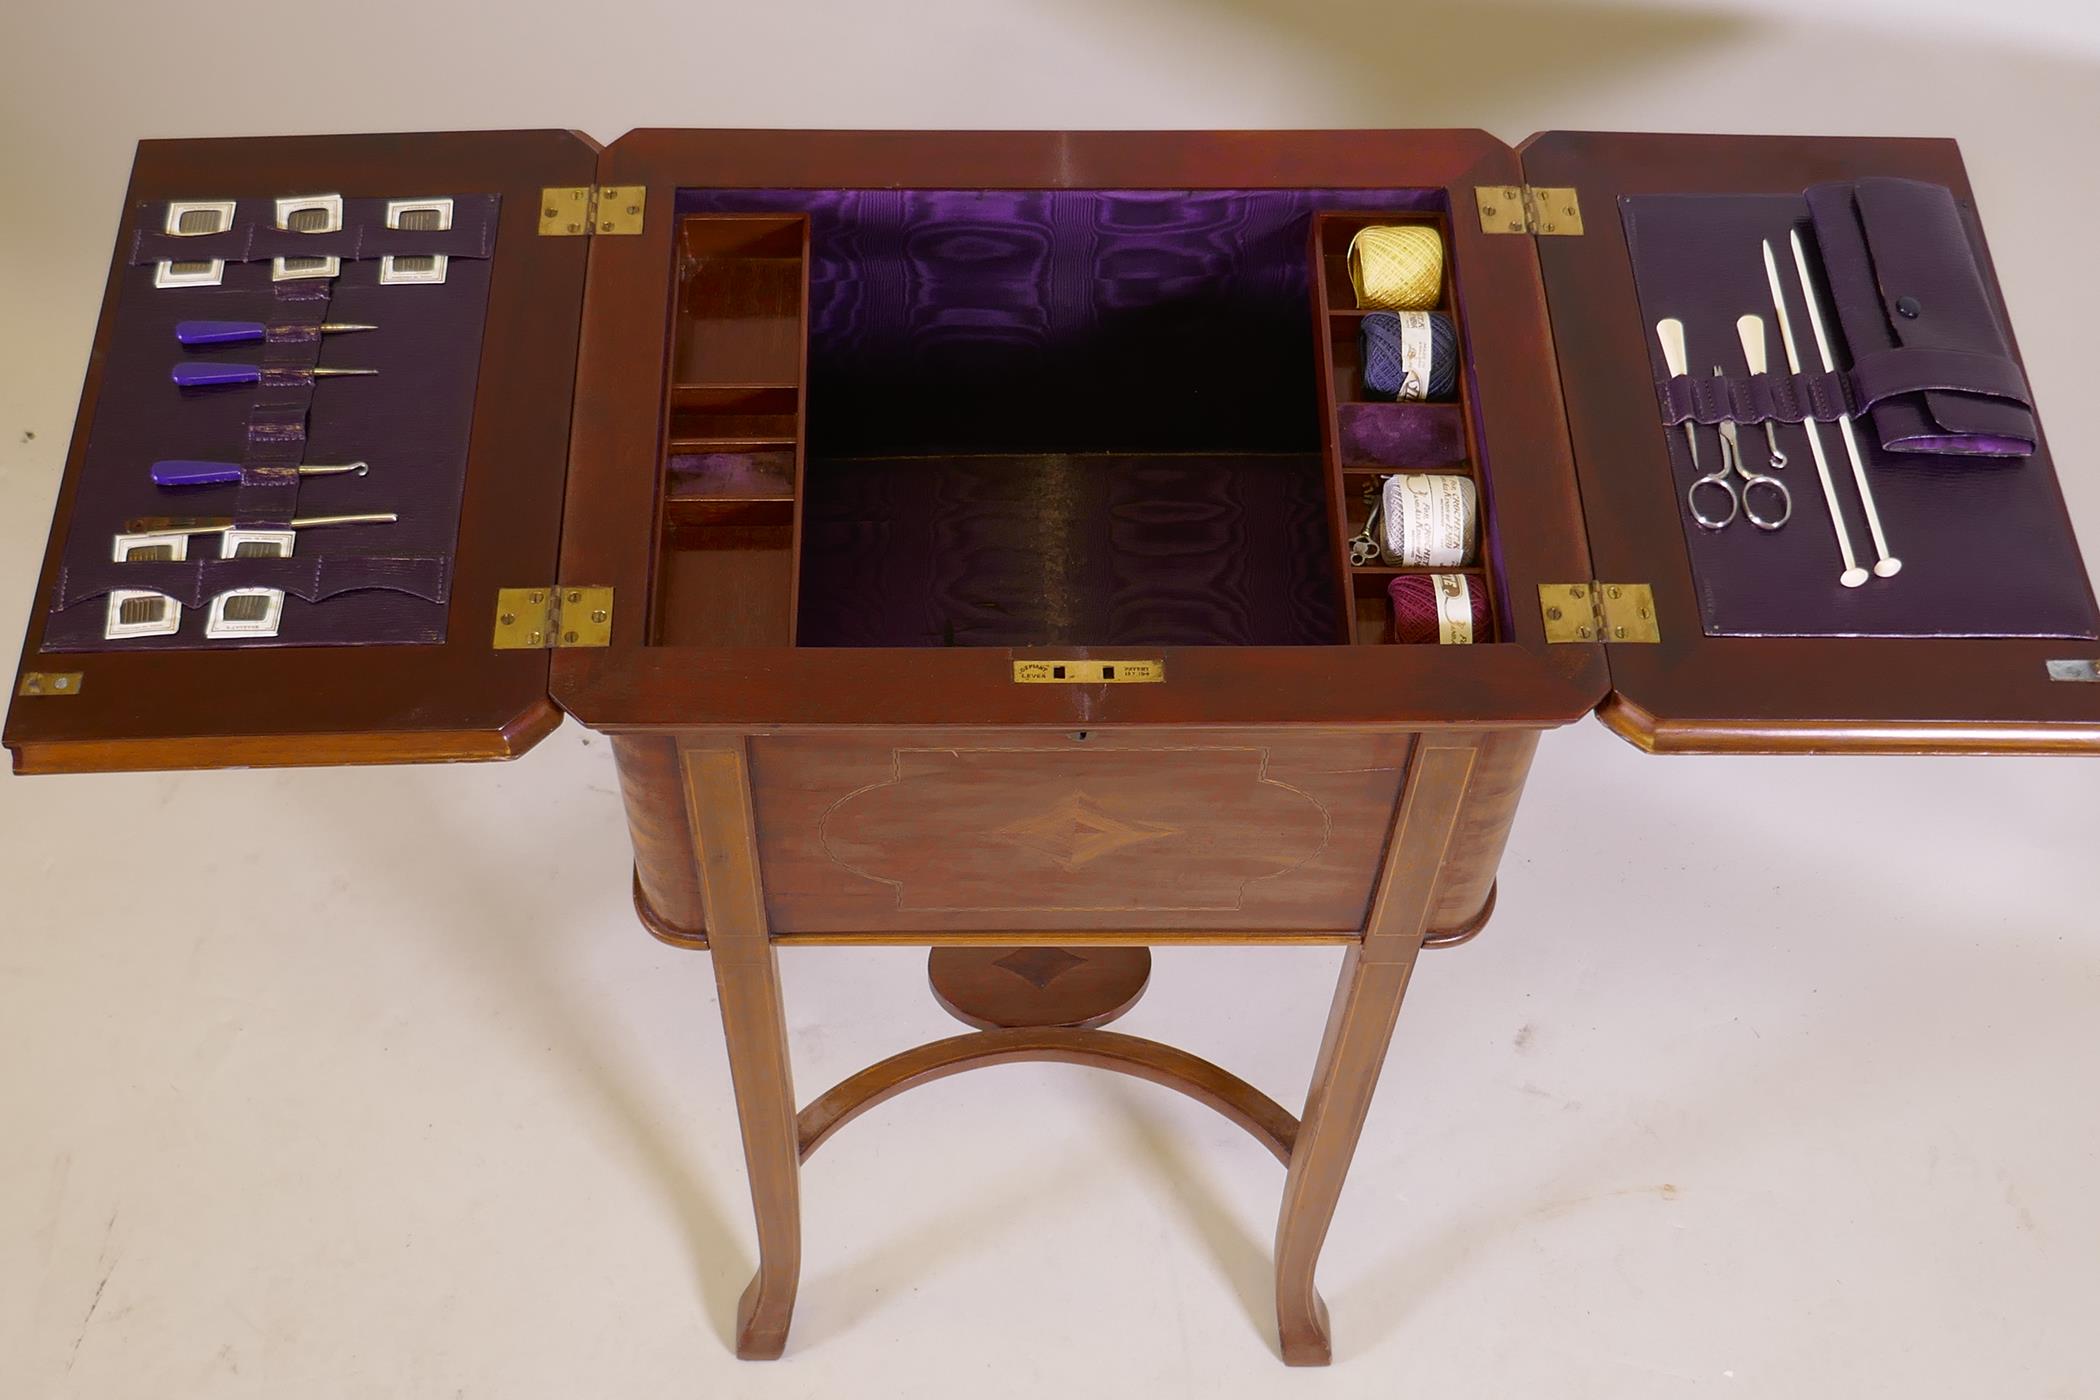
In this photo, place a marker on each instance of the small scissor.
(1741, 499)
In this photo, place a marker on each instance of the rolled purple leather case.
(1930, 361)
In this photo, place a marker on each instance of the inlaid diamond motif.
(1075, 830)
(1039, 967)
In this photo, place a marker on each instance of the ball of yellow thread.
(1397, 267)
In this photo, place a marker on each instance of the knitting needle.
(208, 525)
(1854, 575)
(188, 473)
(241, 332)
(205, 374)
(1886, 565)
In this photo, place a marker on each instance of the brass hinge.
(536, 618)
(49, 683)
(577, 211)
(1542, 209)
(1119, 672)
(1599, 612)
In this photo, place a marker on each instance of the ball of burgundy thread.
(1378, 349)
(1415, 615)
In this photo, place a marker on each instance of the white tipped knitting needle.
(1886, 565)
(1854, 575)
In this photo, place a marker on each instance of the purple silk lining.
(1059, 320)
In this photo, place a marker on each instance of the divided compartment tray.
(733, 432)
(1368, 439)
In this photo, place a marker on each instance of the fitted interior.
(1005, 417)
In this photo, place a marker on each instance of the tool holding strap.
(312, 577)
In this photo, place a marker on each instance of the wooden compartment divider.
(1337, 321)
(735, 424)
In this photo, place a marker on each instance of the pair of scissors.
(1742, 500)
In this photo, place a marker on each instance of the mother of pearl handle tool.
(209, 525)
(1886, 565)
(1751, 331)
(1854, 575)
(1670, 332)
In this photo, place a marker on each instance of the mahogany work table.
(951, 532)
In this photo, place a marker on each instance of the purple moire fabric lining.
(1023, 321)
(1071, 416)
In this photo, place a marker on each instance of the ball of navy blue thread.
(1378, 342)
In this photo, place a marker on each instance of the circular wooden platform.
(1010, 988)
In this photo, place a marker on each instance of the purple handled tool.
(205, 374)
(242, 332)
(181, 472)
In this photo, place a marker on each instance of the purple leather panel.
(1987, 552)
(411, 422)
(1085, 549)
(1059, 320)
(1904, 275)
(1414, 435)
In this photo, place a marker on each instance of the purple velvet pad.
(1413, 435)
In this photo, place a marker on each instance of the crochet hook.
(1886, 565)
(206, 374)
(242, 332)
(1751, 331)
(219, 525)
(181, 472)
(1854, 575)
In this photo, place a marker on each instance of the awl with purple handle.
(206, 374)
(245, 332)
(182, 472)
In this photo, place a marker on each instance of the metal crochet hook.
(1732, 457)
(218, 525)
(1750, 330)
(1886, 565)
(182, 472)
(208, 374)
(1854, 575)
(243, 332)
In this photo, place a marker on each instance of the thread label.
(1454, 608)
(1429, 520)
(1417, 356)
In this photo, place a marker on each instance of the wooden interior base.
(1016, 988)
